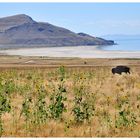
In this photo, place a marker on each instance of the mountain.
(23, 30)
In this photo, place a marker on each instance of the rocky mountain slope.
(23, 30)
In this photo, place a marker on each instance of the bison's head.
(113, 70)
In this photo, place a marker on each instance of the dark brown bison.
(120, 69)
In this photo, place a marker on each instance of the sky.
(93, 18)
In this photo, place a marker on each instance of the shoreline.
(71, 52)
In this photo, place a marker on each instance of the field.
(45, 97)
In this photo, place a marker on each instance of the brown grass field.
(41, 98)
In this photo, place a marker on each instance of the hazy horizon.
(93, 18)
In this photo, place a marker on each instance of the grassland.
(41, 98)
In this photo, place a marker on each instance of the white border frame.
(67, 1)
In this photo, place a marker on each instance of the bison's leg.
(128, 72)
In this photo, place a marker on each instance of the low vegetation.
(69, 102)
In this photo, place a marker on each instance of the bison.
(120, 69)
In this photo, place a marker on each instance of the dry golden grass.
(111, 95)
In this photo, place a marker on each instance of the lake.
(124, 45)
(125, 49)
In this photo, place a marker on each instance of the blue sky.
(92, 18)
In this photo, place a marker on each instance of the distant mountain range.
(23, 30)
(122, 37)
